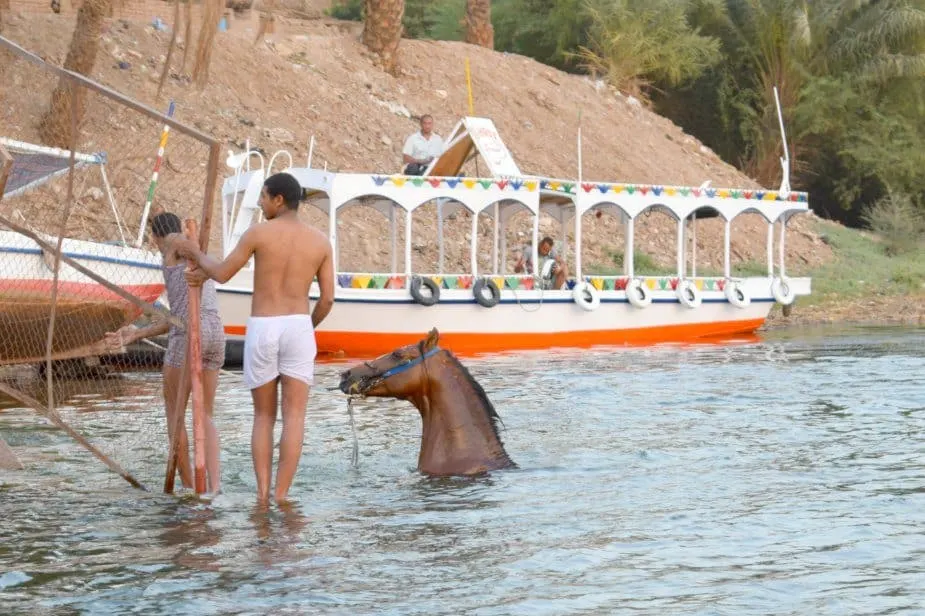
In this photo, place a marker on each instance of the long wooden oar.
(194, 351)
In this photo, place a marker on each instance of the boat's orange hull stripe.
(363, 344)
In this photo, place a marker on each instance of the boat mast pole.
(577, 213)
(194, 351)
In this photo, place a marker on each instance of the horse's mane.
(483, 398)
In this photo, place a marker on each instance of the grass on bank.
(863, 267)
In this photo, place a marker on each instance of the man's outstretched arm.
(220, 271)
(326, 282)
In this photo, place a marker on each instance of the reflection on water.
(785, 476)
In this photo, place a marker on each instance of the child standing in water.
(167, 230)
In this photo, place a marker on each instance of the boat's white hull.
(85, 309)
(368, 322)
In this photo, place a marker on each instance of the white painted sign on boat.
(485, 136)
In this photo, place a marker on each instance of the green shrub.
(900, 225)
(349, 10)
(907, 278)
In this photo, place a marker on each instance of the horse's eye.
(396, 355)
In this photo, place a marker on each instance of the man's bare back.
(288, 254)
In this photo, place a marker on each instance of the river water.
(784, 476)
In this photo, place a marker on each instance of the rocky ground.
(905, 310)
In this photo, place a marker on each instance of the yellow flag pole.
(469, 88)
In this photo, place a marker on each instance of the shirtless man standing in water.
(279, 344)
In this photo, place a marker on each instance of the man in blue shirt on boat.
(553, 269)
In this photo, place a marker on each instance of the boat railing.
(395, 280)
(657, 282)
(527, 282)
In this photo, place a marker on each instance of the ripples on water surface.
(779, 477)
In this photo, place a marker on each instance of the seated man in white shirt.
(546, 252)
(422, 147)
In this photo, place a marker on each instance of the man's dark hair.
(166, 223)
(287, 186)
(424, 117)
(548, 241)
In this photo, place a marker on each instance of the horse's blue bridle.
(409, 364)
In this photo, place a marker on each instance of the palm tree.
(635, 44)
(55, 128)
(211, 16)
(382, 30)
(479, 30)
(791, 43)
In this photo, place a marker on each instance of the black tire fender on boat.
(478, 289)
(425, 300)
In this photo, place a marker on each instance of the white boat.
(493, 309)
(85, 309)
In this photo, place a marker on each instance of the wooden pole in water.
(194, 352)
(205, 229)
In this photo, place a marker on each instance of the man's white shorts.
(279, 345)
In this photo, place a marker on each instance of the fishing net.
(81, 179)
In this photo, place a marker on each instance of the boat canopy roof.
(513, 191)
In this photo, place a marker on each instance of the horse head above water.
(460, 435)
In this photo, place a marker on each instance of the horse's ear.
(432, 338)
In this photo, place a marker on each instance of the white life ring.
(586, 296)
(546, 272)
(688, 293)
(736, 294)
(782, 291)
(638, 293)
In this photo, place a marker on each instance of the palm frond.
(885, 67)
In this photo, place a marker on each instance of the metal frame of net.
(78, 168)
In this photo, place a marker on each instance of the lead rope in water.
(355, 455)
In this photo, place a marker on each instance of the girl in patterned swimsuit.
(166, 229)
